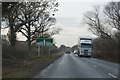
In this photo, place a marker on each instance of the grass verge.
(29, 68)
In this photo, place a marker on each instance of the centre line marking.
(112, 75)
(94, 66)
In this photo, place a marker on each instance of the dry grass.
(19, 62)
(29, 67)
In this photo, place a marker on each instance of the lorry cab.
(84, 47)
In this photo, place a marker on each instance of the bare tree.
(11, 8)
(102, 22)
(29, 18)
(94, 20)
(112, 11)
(40, 18)
(10, 12)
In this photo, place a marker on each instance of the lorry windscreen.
(85, 45)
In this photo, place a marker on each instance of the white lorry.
(84, 47)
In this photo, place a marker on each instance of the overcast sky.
(70, 19)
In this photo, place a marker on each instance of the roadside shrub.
(11, 55)
(105, 49)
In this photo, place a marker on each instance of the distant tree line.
(105, 23)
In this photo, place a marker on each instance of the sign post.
(44, 42)
(38, 50)
(49, 50)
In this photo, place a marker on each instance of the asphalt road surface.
(72, 66)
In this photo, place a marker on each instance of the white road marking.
(43, 72)
(94, 66)
(50, 66)
(112, 75)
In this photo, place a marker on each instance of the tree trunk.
(12, 34)
(29, 37)
(29, 45)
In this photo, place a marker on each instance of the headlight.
(89, 53)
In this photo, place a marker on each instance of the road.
(72, 66)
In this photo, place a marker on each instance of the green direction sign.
(44, 41)
(49, 40)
